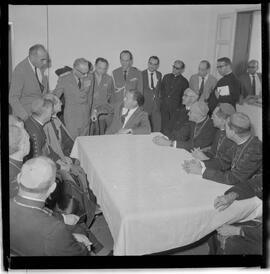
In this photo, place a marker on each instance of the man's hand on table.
(125, 131)
(193, 166)
(162, 141)
(198, 154)
(229, 230)
(224, 201)
(82, 239)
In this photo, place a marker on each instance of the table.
(149, 202)
(254, 112)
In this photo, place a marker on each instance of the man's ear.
(52, 188)
(19, 177)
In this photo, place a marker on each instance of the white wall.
(171, 32)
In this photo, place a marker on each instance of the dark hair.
(100, 59)
(68, 204)
(207, 63)
(226, 60)
(128, 52)
(90, 66)
(34, 49)
(182, 64)
(138, 96)
(153, 57)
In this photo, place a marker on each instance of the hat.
(35, 173)
(241, 120)
(201, 107)
(227, 108)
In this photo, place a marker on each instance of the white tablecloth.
(255, 115)
(148, 200)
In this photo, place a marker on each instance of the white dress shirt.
(131, 111)
(257, 83)
(200, 80)
(154, 78)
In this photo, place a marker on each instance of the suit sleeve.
(184, 137)
(140, 82)
(191, 80)
(60, 242)
(59, 89)
(15, 93)
(144, 126)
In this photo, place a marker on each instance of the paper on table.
(223, 91)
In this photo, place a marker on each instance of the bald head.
(239, 124)
(37, 175)
(253, 66)
(198, 111)
(81, 67)
(189, 97)
(42, 109)
(39, 56)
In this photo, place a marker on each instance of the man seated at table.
(128, 116)
(19, 146)
(244, 237)
(247, 158)
(33, 229)
(199, 132)
(180, 117)
(220, 155)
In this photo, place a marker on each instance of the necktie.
(40, 84)
(55, 129)
(123, 117)
(125, 75)
(79, 83)
(201, 87)
(152, 81)
(253, 85)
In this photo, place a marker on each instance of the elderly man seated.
(239, 238)
(33, 229)
(247, 158)
(19, 146)
(180, 117)
(220, 155)
(199, 132)
(129, 117)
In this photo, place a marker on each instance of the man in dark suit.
(228, 88)
(28, 81)
(247, 158)
(198, 132)
(128, 117)
(173, 86)
(33, 229)
(126, 77)
(251, 81)
(151, 90)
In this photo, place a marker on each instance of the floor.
(102, 233)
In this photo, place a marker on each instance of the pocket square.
(133, 79)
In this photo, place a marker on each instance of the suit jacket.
(247, 160)
(133, 81)
(209, 85)
(180, 117)
(24, 89)
(151, 100)
(138, 122)
(38, 144)
(234, 87)
(172, 90)
(221, 152)
(35, 232)
(246, 88)
(204, 137)
(77, 105)
(14, 170)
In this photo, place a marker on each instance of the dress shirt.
(154, 78)
(34, 70)
(131, 111)
(200, 80)
(38, 121)
(257, 83)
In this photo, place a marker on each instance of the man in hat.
(220, 155)
(19, 146)
(247, 158)
(33, 229)
(199, 132)
(126, 77)
(180, 117)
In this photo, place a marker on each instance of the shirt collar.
(149, 72)
(32, 66)
(244, 140)
(38, 121)
(30, 201)
(205, 77)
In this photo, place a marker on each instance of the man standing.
(228, 87)
(251, 81)
(203, 82)
(100, 97)
(28, 82)
(173, 86)
(151, 89)
(126, 77)
(76, 88)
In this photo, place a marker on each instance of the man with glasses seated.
(251, 82)
(228, 87)
(173, 86)
(76, 88)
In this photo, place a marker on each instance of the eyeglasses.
(152, 64)
(82, 73)
(176, 67)
(252, 67)
(221, 66)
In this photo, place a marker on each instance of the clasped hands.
(192, 166)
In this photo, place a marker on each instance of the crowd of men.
(198, 115)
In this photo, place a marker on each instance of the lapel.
(32, 74)
(197, 81)
(248, 82)
(73, 81)
(132, 118)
